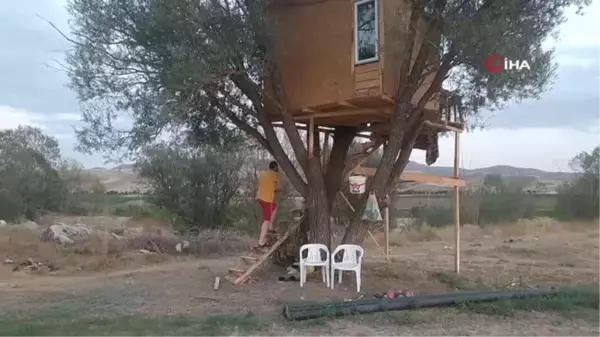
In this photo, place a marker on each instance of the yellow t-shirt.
(268, 182)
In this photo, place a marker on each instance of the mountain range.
(502, 170)
(123, 178)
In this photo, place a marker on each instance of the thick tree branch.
(343, 137)
(249, 130)
(289, 124)
(440, 76)
(408, 143)
(406, 60)
(247, 87)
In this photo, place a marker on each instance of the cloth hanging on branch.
(432, 153)
(372, 212)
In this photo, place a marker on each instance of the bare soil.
(517, 255)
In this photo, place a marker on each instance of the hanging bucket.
(357, 184)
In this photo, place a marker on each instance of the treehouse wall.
(395, 28)
(314, 51)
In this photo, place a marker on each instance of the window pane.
(366, 31)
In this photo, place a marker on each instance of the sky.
(543, 134)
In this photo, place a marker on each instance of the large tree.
(200, 65)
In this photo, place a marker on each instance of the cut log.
(236, 271)
(249, 259)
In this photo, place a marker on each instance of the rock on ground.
(65, 234)
(32, 225)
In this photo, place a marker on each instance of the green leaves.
(31, 174)
(152, 62)
(166, 65)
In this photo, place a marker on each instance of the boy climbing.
(268, 185)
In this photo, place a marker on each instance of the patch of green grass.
(582, 302)
(67, 323)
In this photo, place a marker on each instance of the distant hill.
(124, 179)
(503, 170)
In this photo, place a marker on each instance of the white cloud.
(581, 30)
(570, 60)
(548, 149)
(11, 118)
(64, 116)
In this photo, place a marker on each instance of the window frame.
(356, 49)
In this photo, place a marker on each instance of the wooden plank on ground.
(417, 177)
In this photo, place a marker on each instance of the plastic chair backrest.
(352, 253)
(314, 252)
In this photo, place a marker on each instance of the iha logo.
(495, 63)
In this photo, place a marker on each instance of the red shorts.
(267, 209)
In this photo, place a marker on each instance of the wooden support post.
(311, 138)
(386, 220)
(325, 150)
(456, 205)
(386, 215)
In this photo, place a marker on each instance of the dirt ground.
(523, 254)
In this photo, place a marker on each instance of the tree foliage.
(33, 175)
(580, 198)
(198, 186)
(201, 68)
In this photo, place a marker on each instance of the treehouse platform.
(339, 64)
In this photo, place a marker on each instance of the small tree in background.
(33, 175)
(197, 185)
(579, 198)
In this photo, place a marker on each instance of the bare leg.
(264, 228)
(272, 217)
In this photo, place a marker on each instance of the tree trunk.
(391, 165)
(315, 227)
(320, 194)
(317, 206)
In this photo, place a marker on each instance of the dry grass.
(529, 252)
(96, 253)
(540, 253)
(103, 251)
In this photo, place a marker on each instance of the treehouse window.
(366, 36)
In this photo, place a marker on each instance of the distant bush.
(198, 186)
(34, 177)
(495, 202)
(579, 199)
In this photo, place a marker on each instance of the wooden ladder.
(252, 261)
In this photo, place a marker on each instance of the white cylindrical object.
(357, 184)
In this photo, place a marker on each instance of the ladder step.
(249, 259)
(245, 275)
(236, 271)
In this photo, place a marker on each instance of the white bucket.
(357, 184)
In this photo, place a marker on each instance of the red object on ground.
(267, 209)
(391, 293)
(409, 293)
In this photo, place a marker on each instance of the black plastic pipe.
(303, 310)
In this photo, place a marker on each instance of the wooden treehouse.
(339, 65)
(340, 60)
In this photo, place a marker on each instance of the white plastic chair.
(314, 258)
(351, 261)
